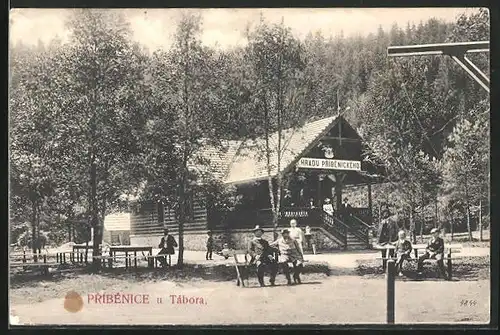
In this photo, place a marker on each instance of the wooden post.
(320, 203)
(390, 290)
(338, 192)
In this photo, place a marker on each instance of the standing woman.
(167, 245)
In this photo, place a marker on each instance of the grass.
(464, 269)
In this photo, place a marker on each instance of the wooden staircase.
(350, 235)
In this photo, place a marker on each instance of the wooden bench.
(420, 249)
(241, 262)
(153, 260)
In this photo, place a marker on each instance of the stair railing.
(335, 227)
(360, 229)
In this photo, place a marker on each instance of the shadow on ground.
(212, 272)
(464, 269)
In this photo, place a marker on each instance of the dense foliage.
(98, 118)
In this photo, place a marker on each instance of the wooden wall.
(144, 218)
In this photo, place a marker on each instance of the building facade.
(317, 161)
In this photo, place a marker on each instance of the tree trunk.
(182, 219)
(436, 223)
(422, 223)
(452, 226)
(33, 228)
(95, 216)
(467, 207)
(412, 226)
(38, 240)
(274, 212)
(469, 230)
(480, 219)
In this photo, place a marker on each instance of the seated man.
(290, 252)
(167, 245)
(262, 256)
(403, 249)
(434, 250)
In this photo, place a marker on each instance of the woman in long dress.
(290, 252)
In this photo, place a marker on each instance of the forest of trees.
(101, 117)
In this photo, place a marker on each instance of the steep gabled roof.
(250, 164)
(219, 158)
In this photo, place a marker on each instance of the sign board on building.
(328, 164)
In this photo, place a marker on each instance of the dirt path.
(320, 300)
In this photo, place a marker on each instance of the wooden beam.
(438, 49)
(345, 139)
(456, 51)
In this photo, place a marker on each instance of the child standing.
(210, 246)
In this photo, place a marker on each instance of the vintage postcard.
(285, 166)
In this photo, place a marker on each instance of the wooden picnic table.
(81, 250)
(113, 250)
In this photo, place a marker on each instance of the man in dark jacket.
(262, 256)
(167, 245)
(387, 234)
(434, 250)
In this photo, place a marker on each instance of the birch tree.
(277, 80)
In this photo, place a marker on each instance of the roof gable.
(250, 162)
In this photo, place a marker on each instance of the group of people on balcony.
(346, 208)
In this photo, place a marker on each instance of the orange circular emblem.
(73, 302)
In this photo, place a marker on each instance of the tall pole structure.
(457, 51)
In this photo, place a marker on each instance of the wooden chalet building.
(320, 158)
